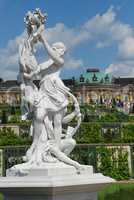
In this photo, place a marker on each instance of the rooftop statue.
(48, 104)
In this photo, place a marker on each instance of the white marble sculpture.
(48, 104)
(48, 172)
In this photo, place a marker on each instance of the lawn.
(1, 197)
(117, 191)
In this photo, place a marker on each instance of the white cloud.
(126, 48)
(101, 23)
(9, 58)
(72, 63)
(121, 69)
(104, 29)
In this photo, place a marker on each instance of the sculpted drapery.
(48, 104)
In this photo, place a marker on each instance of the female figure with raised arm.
(49, 103)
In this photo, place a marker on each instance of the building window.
(106, 78)
(102, 81)
(94, 78)
(82, 78)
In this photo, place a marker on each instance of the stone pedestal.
(58, 169)
(73, 196)
(64, 185)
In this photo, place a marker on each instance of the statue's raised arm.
(56, 51)
(35, 24)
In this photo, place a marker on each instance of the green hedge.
(89, 133)
(128, 133)
(110, 160)
(8, 137)
(100, 113)
(113, 162)
(92, 133)
(114, 117)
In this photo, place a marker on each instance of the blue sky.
(97, 33)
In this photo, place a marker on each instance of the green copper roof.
(95, 76)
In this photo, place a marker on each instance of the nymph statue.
(48, 171)
(48, 103)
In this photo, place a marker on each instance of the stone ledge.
(48, 169)
(67, 187)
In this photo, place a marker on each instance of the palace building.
(9, 92)
(93, 86)
(97, 87)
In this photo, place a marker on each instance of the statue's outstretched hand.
(32, 74)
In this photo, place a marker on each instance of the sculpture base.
(47, 169)
(67, 187)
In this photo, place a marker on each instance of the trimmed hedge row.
(88, 133)
(93, 133)
(8, 137)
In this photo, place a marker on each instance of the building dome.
(95, 76)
